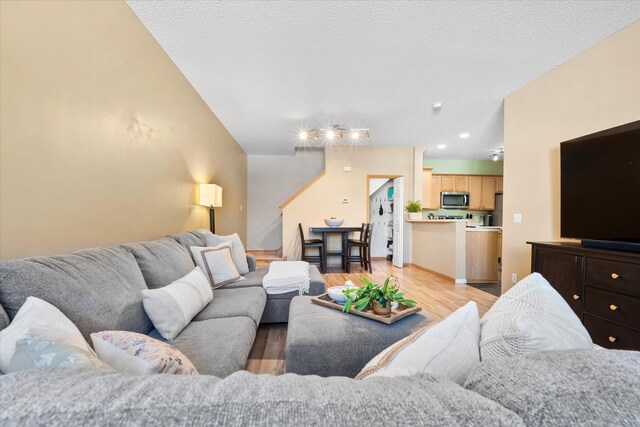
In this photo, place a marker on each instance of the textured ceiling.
(268, 69)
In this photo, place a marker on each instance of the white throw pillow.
(140, 354)
(37, 313)
(45, 348)
(528, 318)
(448, 348)
(239, 254)
(172, 307)
(217, 263)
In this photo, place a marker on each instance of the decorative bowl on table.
(334, 222)
(336, 294)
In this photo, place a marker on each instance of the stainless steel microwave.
(454, 200)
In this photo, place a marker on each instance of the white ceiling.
(268, 69)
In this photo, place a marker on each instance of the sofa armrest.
(251, 260)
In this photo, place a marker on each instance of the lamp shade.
(211, 195)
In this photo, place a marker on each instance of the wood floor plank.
(437, 296)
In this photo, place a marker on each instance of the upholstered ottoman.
(326, 342)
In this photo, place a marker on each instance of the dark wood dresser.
(601, 286)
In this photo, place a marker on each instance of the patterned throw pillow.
(140, 354)
(40, 348)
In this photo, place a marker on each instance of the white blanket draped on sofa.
(287, 276)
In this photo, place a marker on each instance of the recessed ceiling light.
(304, 135)
(464, 135)
(442, 146)
(437, 105)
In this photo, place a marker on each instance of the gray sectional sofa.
(99, 289)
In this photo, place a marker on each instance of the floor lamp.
(211, 196)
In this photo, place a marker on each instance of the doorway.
(384, 212)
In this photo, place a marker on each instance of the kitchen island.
(439, 245)
(451, 249)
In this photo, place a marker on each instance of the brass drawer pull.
(576, 296)
(613, 307)
(614, 276)
(613, 339)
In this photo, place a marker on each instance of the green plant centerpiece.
(413, 206)
(378, 298)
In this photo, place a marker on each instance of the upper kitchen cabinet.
(436, 188)
(461, 183)
(482, 189)
(448, 183)
(488, 193)
(475, 193)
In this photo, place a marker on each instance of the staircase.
(264, 257)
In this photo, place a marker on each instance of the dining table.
(344, 232)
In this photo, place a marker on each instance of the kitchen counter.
(490, 228)
(432, 221)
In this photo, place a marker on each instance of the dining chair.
(312, 243)
(364, 248)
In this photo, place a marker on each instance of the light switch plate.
(347, 169)
(514, 277)
(345, 200)
(517, 218)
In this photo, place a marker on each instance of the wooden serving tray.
(399, 313)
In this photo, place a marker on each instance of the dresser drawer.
(619, 276)
(612, 306)
(611, 335)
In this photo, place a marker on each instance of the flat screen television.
(600, 188)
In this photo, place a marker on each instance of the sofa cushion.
(97, 289)
(85, 397)
(217, 347)
(190, 238)
(241, 302)
(161, 261)
(569, 387)
(254, 278)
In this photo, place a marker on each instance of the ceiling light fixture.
(335, 132)
(464, 135)
(442, 146)
(437, 106)
(497, 153)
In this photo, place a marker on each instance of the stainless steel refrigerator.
(497, 214)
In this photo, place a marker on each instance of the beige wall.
(323, 199)
(596, 90)
(102, 137)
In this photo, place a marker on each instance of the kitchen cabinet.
(427, 174)
(461, 183)
(448, 183)
(475, 193)
(488, 193)
(436, 188)
(482, 256)
(482, 189)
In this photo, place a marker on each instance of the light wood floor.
(436, 295)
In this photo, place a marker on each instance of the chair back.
(368, 233)
(362, 230)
